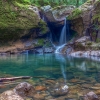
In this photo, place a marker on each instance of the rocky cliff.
(19, 22)
(85, 20)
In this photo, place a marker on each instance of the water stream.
(63, 37)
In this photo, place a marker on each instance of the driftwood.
(2, 80)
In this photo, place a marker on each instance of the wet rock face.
(91, 96)
(24, 89)
(56, 15)
(78, 27)
(86, 16)
(59, 90)
(83, 39)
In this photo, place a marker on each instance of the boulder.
(91, 96)
(46, 8)
(24, 89)
(35, 9)
(83, 39)
(10, 95)
(20, 22)
(48, 50)
(20, 92)
(58, 14)
(85, 53)
(17, 16)
(59, 89)
(85, 15)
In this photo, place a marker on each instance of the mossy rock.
(16, 18)
(14, 14)
(79, 46)
(76, 13)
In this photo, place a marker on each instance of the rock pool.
(53, 71)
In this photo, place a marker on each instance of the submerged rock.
(38, 97)
(40, 88)
(91, 96)
(59, 89)
(10, 95)
(24, 89)
(20, 92)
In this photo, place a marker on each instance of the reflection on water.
(49, 65)
(62, 61)
(81, 75)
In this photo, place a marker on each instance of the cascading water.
(63, 37)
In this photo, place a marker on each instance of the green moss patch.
(16, 15)
(76, 13)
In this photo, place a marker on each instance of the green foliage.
(16, 15)
(40, 2)
(40, 42)
(94, 34)
(42, 27)
(96, 16)
(75, 13)
(9, 35)
(24, 1)
(98, 40)
(89, 43)
(55, 3)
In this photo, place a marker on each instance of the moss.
(40, 3)
(97, 2)
(93, 45)
(40, 42)
(9, 35)
(42, 27)
(89, 43)
(96, 16)
(77, 12)
(79, 46)
(97, 40)
(21, 5)
(93, 34)
(59, 7)
(16, 15)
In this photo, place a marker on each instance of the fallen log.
(13, 78)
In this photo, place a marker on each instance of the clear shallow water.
(80, 74)
(50, 66)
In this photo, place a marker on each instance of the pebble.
(40, 88)
(38, 96)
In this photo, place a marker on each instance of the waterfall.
(59, 48)
(63, 37)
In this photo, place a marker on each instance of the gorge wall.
(85, 20)
(19, 22)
